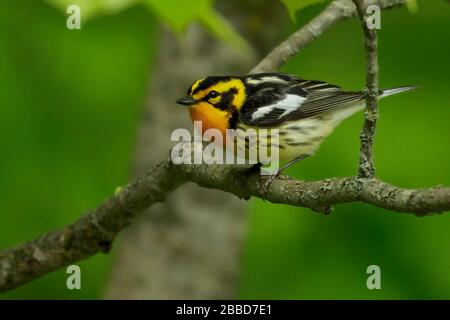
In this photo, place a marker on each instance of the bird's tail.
(389, 92)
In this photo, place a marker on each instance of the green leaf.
(222, 29)
(412, 6)
(293, 6)
(180, 13)
(177, 13)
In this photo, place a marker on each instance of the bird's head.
(214, 100)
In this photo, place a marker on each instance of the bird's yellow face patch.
(231, 92)
(215, 100)
(194, 86)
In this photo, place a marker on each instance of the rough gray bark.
(367, 135)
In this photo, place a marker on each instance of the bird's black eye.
(213, 94)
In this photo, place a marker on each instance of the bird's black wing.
(273, 99)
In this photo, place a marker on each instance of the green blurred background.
(70, 103)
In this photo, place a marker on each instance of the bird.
(304, 112)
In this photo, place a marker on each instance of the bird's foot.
(268, 181)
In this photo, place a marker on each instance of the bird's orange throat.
(210, 117)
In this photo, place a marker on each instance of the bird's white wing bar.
(262, 111)
(272, 79)
(289, 104)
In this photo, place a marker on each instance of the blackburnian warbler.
(303, 111)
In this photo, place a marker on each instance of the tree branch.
(336, 11)
(95, 231)
(367, 135)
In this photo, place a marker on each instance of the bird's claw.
(268, 182)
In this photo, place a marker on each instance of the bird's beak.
(187, 101)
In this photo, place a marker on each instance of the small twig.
(336, 11)
(367, 135)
